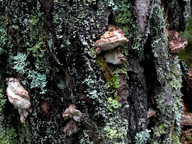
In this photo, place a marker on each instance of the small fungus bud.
(45, 108)
(151, 112)
(70, 128)
(72, 112)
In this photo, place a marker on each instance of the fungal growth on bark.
(70, 128)
(75, 116)
(115, 57)
(151, 112)
(67, 52)
(19, 97)
(45, 108)
(73, 113)
(176, 43)
(110, 40)
(190, 73)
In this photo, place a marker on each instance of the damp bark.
(48, 45)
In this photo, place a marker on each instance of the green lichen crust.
(168, 82)
(142, 137)
(27, 57)
(137, 96)
(8, 129)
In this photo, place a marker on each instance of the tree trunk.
(48, 45)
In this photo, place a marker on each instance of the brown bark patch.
(122, 91)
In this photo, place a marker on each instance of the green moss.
(8, 136)
(114, 81)
(160, 129)
(92, 52)
(111, 78)
(112, 104)
(116, 127)
(186, 54)
(175, 138)
(34, 20)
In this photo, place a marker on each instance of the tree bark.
(48, 45)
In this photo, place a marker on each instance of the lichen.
(170, 95)
(8, 131)
(124, 18)
(142, 137)
(21, 65)
(122, 10)
(85, 138)
(112, 104)
(54, 50)
(3, 37)
(116, 130)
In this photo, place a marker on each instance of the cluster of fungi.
(111, 42)
(75, 116)
(20, 99)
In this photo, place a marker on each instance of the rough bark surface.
(48, 45)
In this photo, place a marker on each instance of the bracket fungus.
(75, 116)
(176, 43)
(109, 40)
(19, 97)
